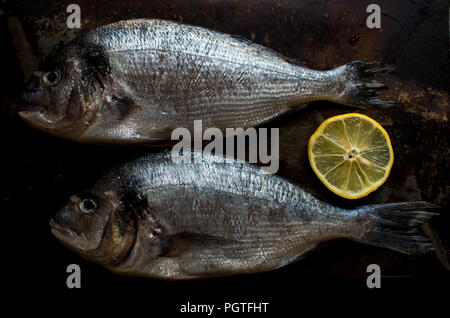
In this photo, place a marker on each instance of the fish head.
(97, 225)
(63, 96)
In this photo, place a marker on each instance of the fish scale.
(145, 78)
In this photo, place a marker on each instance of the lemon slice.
(351, 154)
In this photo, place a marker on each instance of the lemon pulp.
(351, 154)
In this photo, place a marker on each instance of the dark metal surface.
(39, 172)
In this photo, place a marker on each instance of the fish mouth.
(63, 234)
(25, 107)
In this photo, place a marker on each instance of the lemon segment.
(351, 154)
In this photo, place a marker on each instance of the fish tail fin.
(359, 87)
(397, 226)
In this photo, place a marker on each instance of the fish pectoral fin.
(120, 107)
(191, 243)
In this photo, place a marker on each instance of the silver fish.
(136, 81)
(156, 218)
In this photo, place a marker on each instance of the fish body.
(156, 218)
(135, 81)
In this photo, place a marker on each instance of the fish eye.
(51, 78)
(88, 206)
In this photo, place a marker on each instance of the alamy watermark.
(74, 19)
(373, 21)
(374, 279)
(258, 141)
(74, 279)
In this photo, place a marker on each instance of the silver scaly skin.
(160, 219)
(135, 81)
